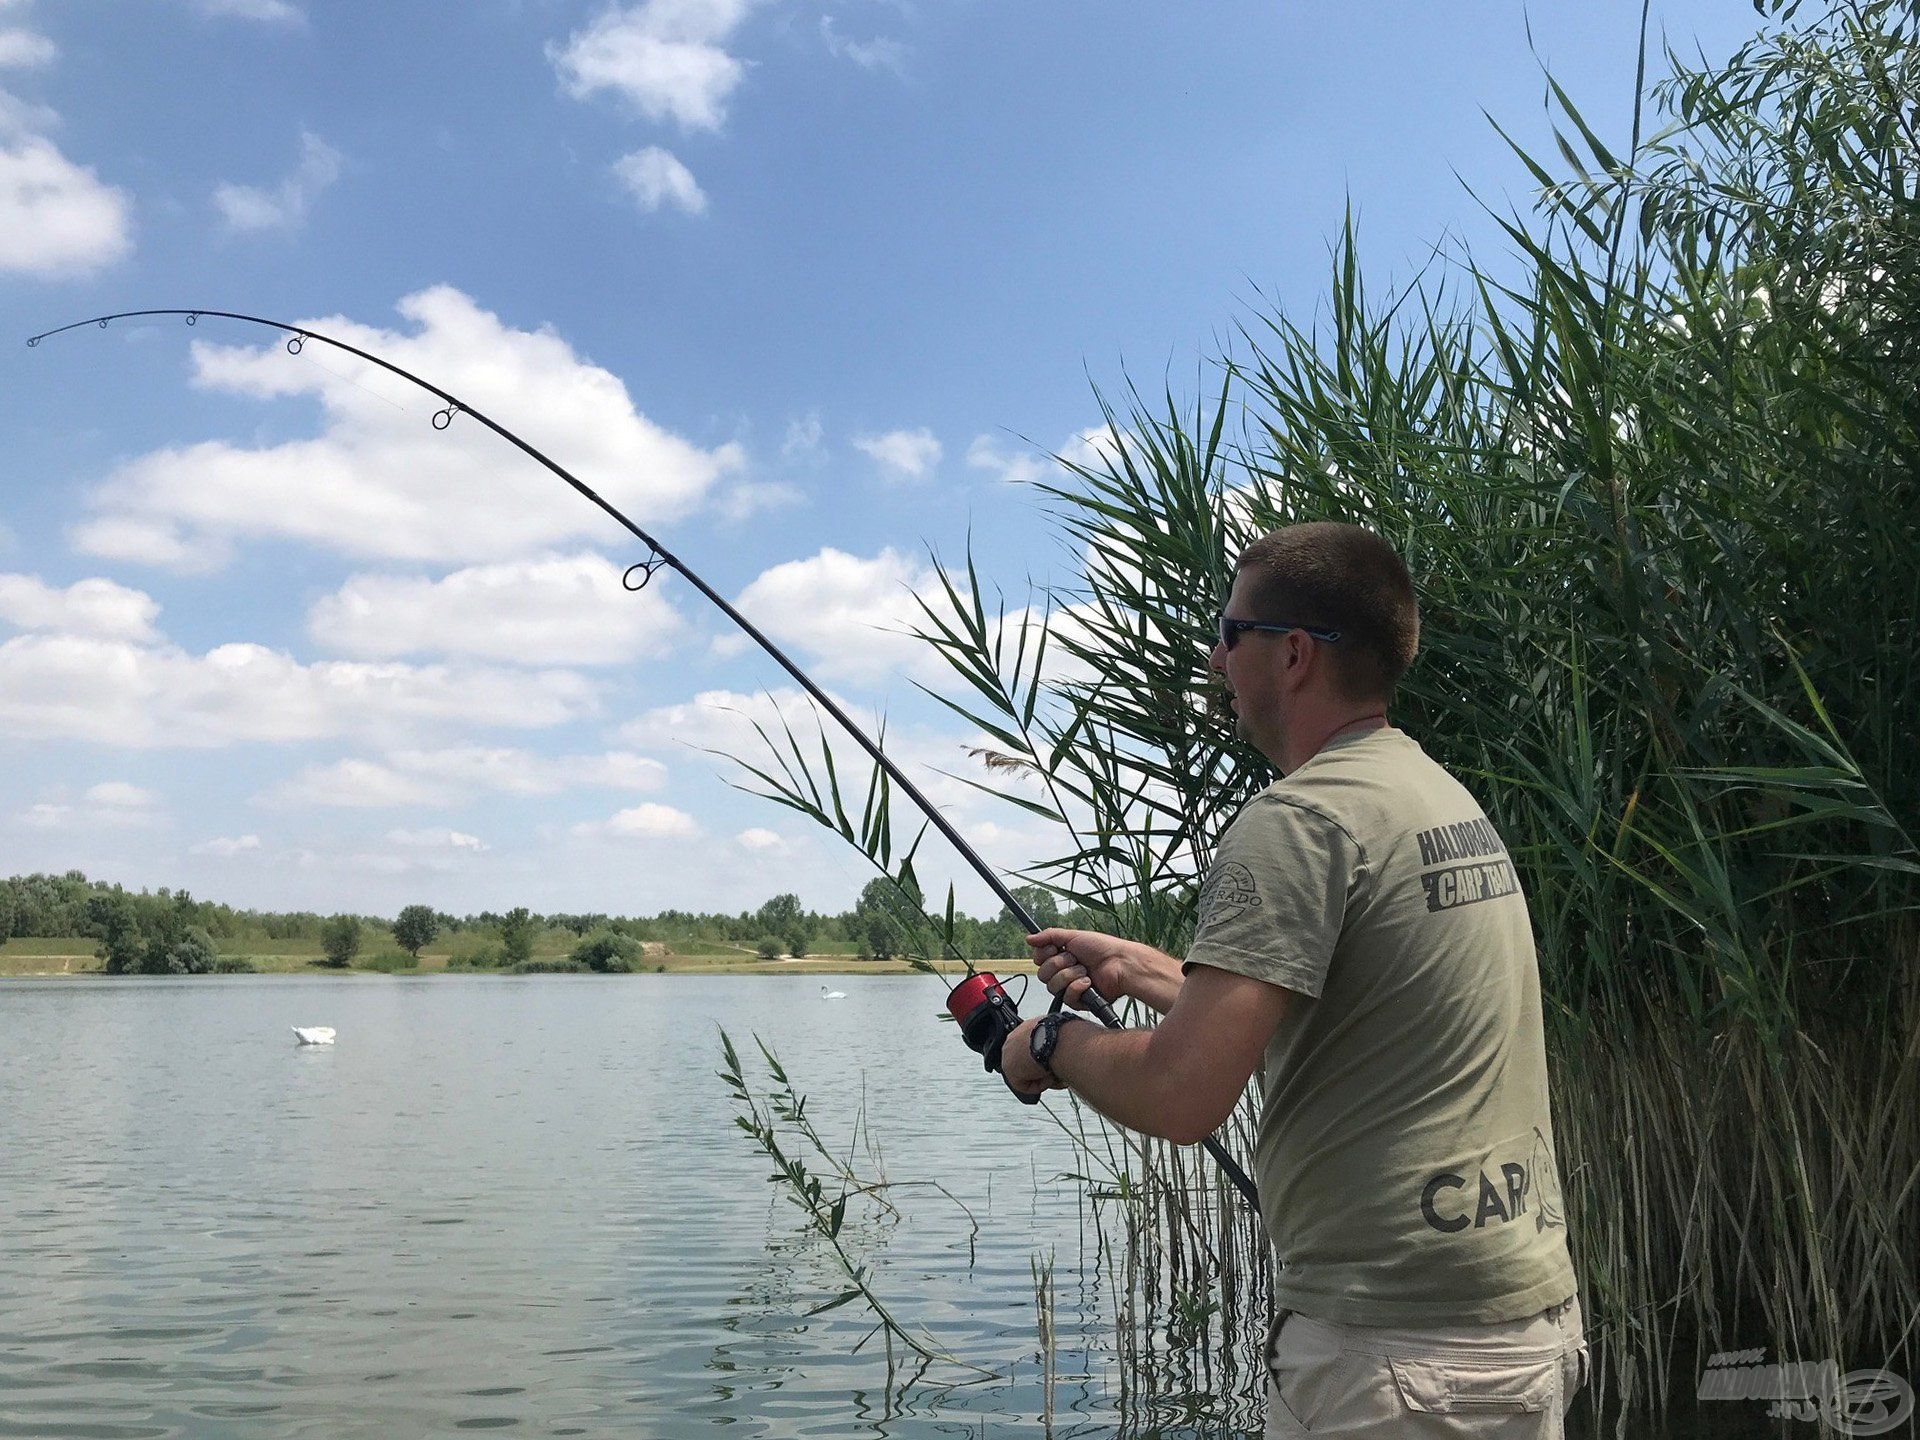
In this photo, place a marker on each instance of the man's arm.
(1178, 1081)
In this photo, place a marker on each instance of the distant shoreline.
(88, 967)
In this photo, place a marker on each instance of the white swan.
(826, 994)
(313, 1034)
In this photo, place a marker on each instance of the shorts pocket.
(1520, 1386)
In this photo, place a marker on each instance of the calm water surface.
(513, 1204)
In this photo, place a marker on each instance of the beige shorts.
(1508, 1381)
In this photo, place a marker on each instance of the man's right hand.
(1072, 960)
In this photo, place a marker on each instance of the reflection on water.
(512, 1204)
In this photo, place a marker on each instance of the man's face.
(1254, 674)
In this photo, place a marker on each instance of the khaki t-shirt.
(1405, 1158)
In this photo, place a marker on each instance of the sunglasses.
(1231, 630)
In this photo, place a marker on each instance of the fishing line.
(987, 1014)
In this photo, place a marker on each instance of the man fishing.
(1362, 942)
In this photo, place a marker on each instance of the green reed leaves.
(1657, 471)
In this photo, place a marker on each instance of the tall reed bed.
(1655, 473)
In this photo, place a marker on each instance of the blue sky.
(790, 281)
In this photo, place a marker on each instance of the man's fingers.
(1065, 976)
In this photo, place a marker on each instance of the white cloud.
(656, 179)
(1013, 467)
(277, 12)
(248, 209)
(642, 822)
(803, 437)
(1093, 448)
(94, 607)
(24, 50)
(664, 56)
(757, 838)
(110, 805)
(116, 693)
(521, 772)
(749, 498)
(357, 784)
(724, 721)
(436, 840)
(121, 796)
(901, 454)
(879, 53)
(57, 218)
(555, 610)
(20, 118)
(226, 846)
(380, 481)
(846, 612)
(146, 540)
(452, 776)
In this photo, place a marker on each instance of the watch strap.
(1046, 1038)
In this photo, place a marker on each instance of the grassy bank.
(29, 956)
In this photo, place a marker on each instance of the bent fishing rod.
(980, 1003)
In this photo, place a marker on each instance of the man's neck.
(1329, 730)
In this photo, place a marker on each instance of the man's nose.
(1217, 658)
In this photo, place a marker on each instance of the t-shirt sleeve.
(1274, 902)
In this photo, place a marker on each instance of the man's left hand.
(1022, 1073)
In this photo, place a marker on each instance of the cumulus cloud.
(378, 480)
(758, 838)
(725, 721)
(847, 612)
(554, 610)
(249, 209)
(110, 805)
(454, 775)
(95, 607)
(1019, 464)
(642, 822)
(665, 57)
(749, 498)
(901, 454)
(656, 179)
(879, 53)
(150, 540)
(359, 785)
(24, 50)
(436, 840)
(1011, 466)
(117, 693)
(802, 440)
(274, 12)
(57, 218)
(121, 795)
(226, 846)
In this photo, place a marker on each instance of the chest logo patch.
(1227, 894)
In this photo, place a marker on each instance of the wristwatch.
(1045, 1036)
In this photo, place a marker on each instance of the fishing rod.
(986, 1013)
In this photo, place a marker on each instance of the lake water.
(514, 1204)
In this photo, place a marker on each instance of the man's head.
(1329, 577)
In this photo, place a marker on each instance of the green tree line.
(168, 931)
